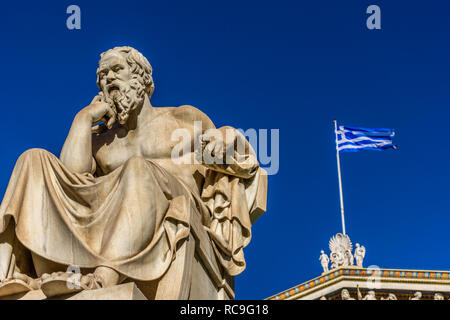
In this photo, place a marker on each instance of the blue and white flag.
(350, 139)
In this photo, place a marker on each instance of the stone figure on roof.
(324, 261)
(360, 253)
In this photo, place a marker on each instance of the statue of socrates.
(118, 199)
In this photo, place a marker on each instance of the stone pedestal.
(126, 291)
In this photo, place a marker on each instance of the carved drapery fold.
(229, 193)
(129, 220)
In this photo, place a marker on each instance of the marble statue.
(116, 202)
(324, 260)
(370, 295)
(438, 296)
(360, 252)
(345, 295)
(417, 296)
(390, 296)
(350, 258)
(341, 251)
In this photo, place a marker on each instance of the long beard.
(127, 98)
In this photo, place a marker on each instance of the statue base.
(126, 291)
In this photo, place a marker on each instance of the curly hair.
(140, 67)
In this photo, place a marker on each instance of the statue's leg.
(57, 281)
(12, 279)
(107, 277)
(61, 283)
(7, 259)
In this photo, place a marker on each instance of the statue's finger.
(111, 122)
(207, 135)
(218, 150)
(209, 148)
(203, 138)
(110, 113)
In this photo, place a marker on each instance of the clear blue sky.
(288, 65)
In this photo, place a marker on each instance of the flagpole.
(340, 179)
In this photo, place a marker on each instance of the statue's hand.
(100, 111)
(214, 143)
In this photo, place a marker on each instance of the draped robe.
(130, 219)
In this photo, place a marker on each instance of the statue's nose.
(110, 76)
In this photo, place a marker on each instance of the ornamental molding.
(395, 277)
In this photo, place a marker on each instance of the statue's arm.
(241, 160)
(238, 157)
(76, 153)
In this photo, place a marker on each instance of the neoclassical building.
(347, 281)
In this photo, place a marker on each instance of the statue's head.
(438, 296)
(124, 76)
(357, 245)
(321, 251)
(345, 294)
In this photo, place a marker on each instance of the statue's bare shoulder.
(186, 115)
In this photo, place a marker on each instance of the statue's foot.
(19, 283)
(61, 283)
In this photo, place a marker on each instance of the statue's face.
(114, 73)
(345, 294)
(118, 85)
(338, 257)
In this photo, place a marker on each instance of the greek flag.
(350, 139)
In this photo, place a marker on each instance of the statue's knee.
(31, 153)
